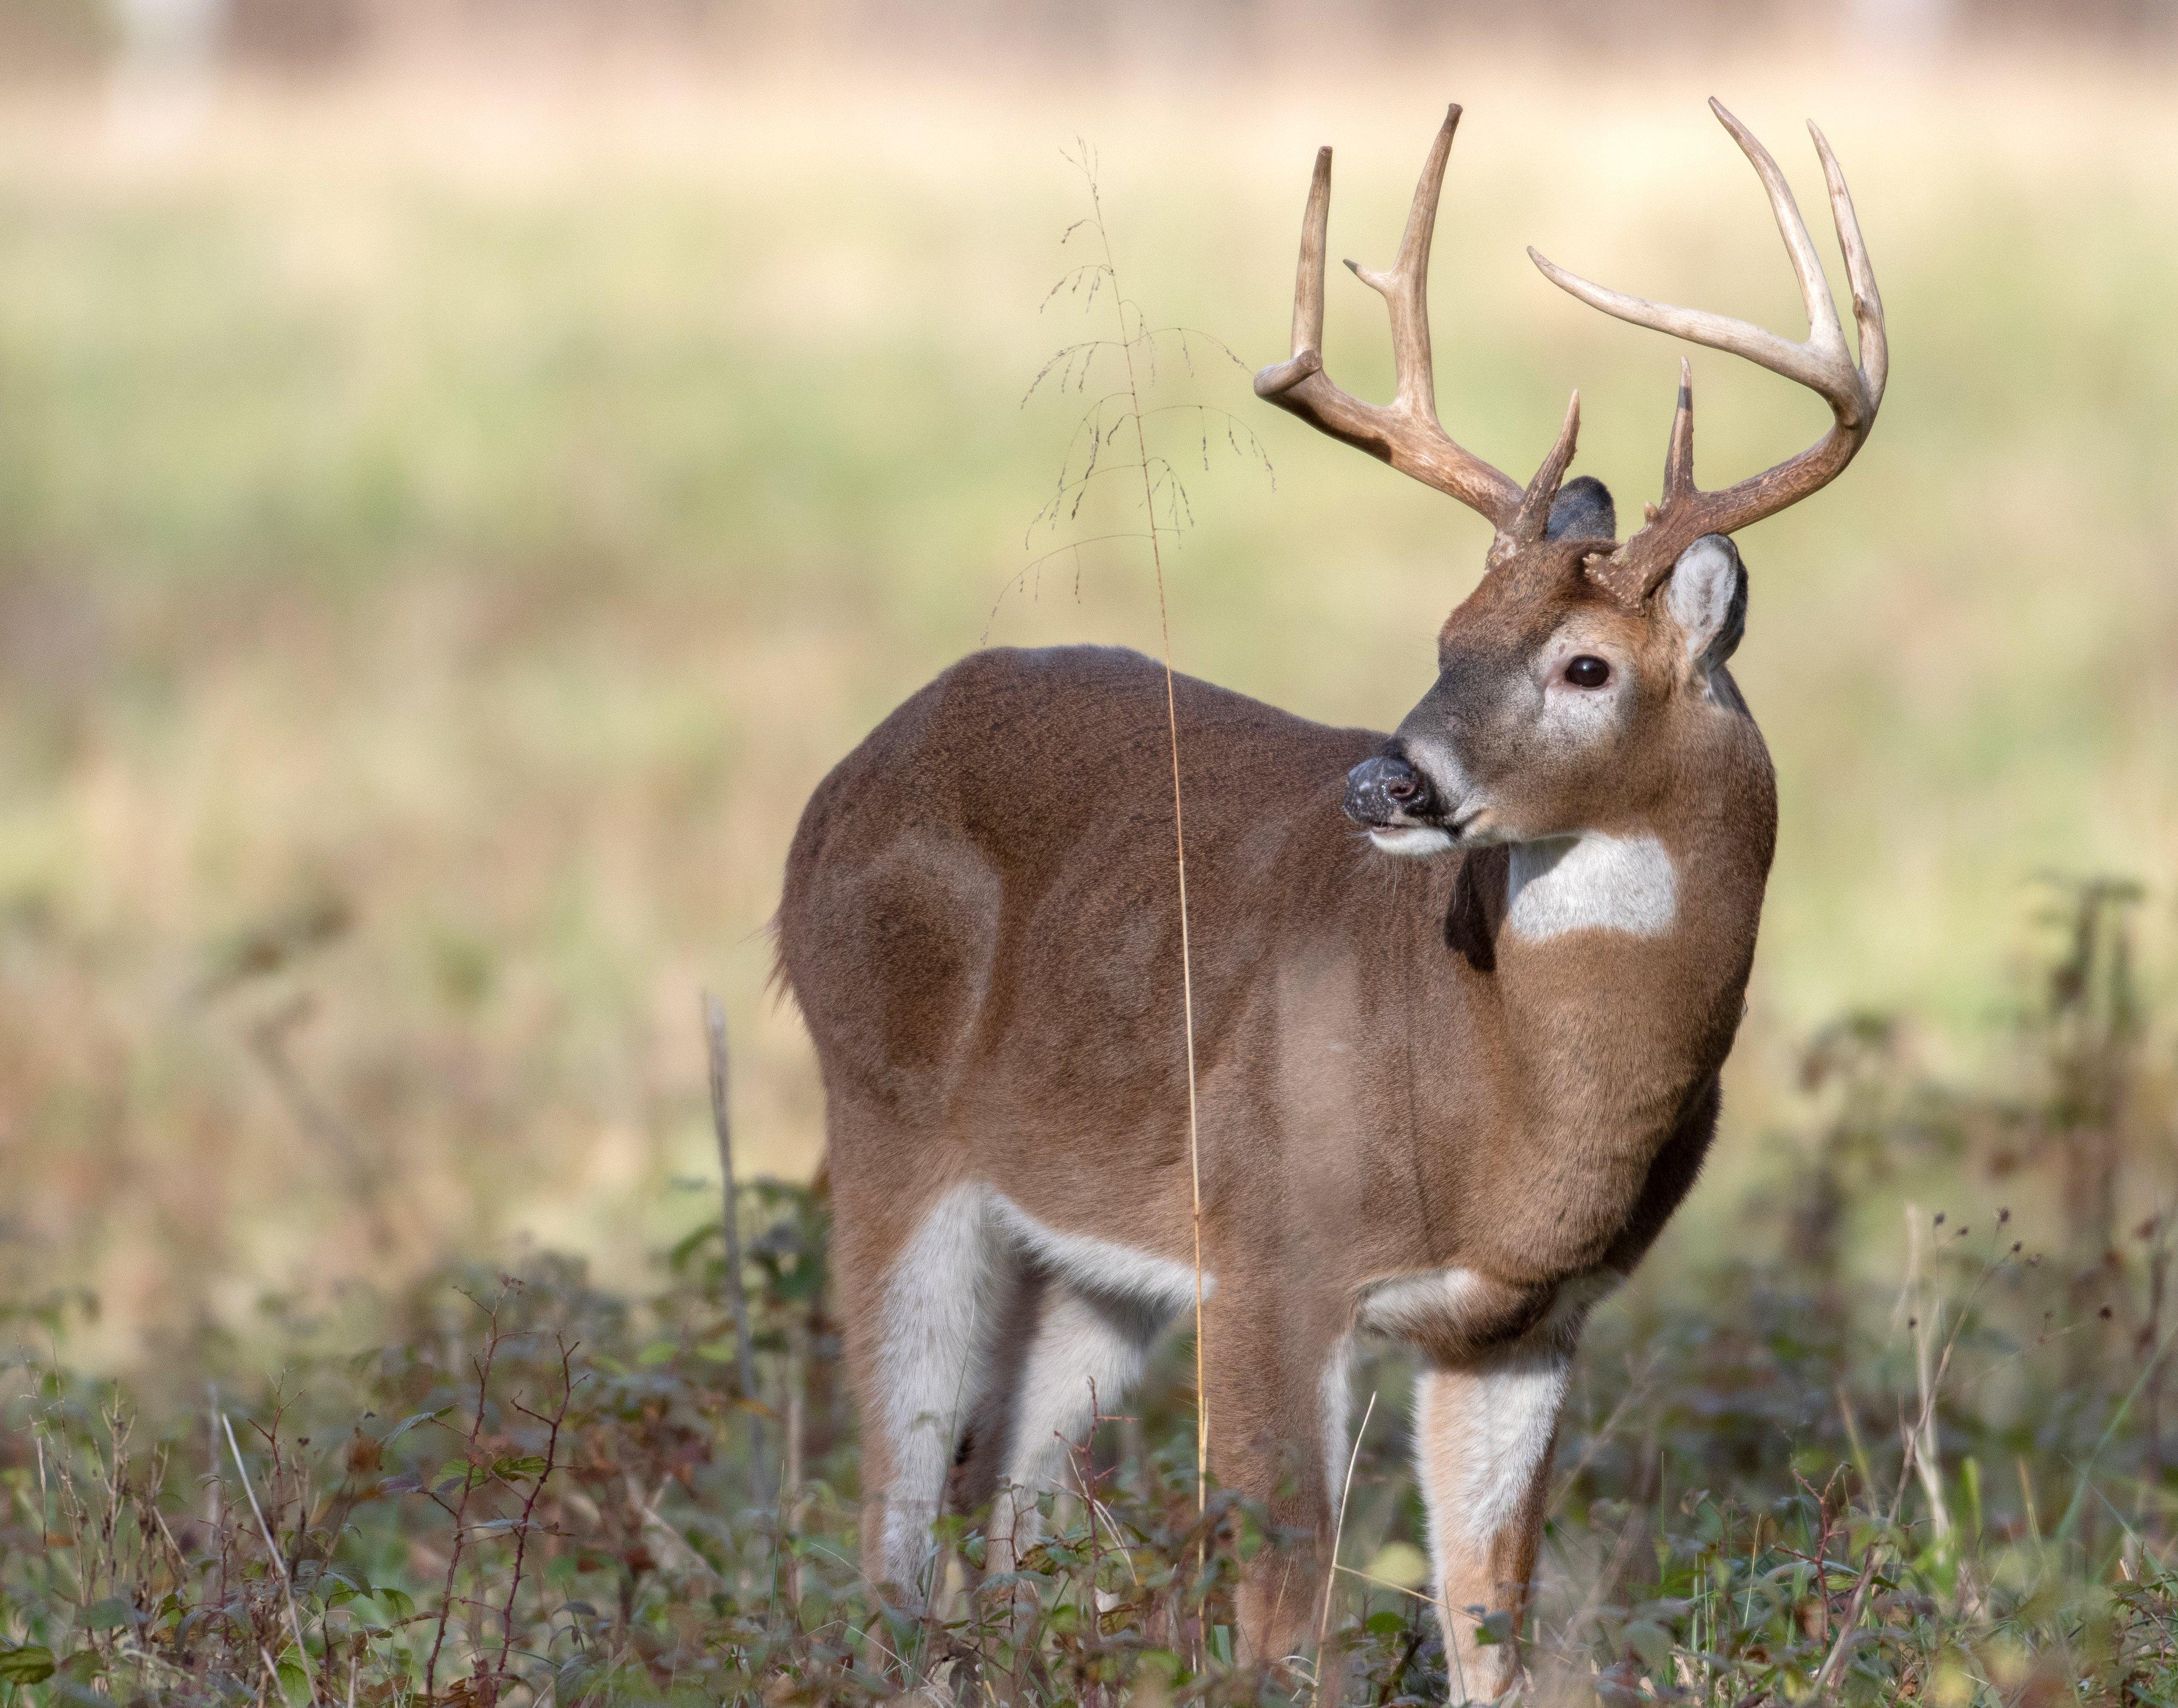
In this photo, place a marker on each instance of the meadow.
(449, 524)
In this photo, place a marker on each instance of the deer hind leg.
(1277, 1414)
(938, 1307)
(1483, 1434)
(1085, 1353)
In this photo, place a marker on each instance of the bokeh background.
(467, 471)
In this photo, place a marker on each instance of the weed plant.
(1947, 1482)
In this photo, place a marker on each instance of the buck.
(1456, 1046)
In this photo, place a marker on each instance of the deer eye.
(1588, 671)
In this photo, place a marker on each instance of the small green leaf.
(83, 1666)
(341, 1587)
(1400, 1563)
(528, 1465)
(30, 1664)
(107, 1615)
(1650, 1641)
(406, 1424)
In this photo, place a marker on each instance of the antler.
(1853, 391)
(1406, 432)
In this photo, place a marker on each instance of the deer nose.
(1385, 787)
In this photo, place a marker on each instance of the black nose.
(1378, 790)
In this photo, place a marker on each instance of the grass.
(1790, 1484)
(446, 531)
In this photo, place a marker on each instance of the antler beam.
(1854, 390)
(1406, 432)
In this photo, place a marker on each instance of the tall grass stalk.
(1123, 411)
(1179, 844)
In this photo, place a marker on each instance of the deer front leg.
(1484, 1429)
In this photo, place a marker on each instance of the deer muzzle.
(1387, 790)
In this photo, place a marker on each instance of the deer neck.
(1617, 965)
(1595, 997)
(1627, 885)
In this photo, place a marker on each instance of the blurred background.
(467, 470)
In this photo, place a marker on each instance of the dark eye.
(1588, 671)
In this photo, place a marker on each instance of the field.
(448, 526)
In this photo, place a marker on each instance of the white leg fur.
(938, 1327)
(1101, 1266)
(1086, 1355)
(1334, 1401)
(1481, 1436)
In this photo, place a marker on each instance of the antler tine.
(1825, 332)
(1405, 288)
(1822, 363)
(1679, 455)
(1308, 290)
(1534, 519)
(1860, 274)
(1404, 433)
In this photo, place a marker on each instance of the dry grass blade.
(715, 1034)
(279, 1565)
(1119, 410)
(1338, 1535)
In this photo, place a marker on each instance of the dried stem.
(715, 1028)
(279, 1565)
(460, 1513)
(529, 1505)
(1132, 337)
(1337, 1532)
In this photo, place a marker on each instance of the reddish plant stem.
(462, 1507)
(529, 1505)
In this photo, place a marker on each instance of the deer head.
(1583, 675)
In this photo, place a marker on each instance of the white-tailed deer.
(1456, 1067)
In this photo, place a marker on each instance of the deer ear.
(1583, 510)
(1706, 595)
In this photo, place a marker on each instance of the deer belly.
(1099, 1267)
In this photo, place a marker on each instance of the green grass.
(485, 509)
(483, 1488)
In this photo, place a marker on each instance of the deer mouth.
(1467, 825)
(1397, 802)
(1463, 827)
(1413, 840)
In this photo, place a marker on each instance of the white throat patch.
(1590, 883)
